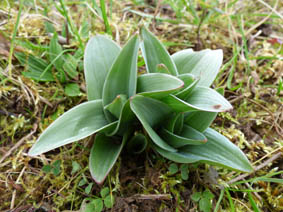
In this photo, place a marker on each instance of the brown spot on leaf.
(216, 106)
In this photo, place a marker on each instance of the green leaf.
(154, 53)
(207, 194)
(104, 192)
(82, 182)
(179, 157)
(122, 78)
(190, 83)
(208, 99)
(87, 205)
(205, 205)
(54, 50)
(253, 203)
(104, 153)
(179, 124)
(109, 201)
(204, 64)
(125, 120)
(98, 205)
(196, 196)
(218, 150)
(180, 59)
(151, 113)
(35, 68)
(77, 123)
(171, 121)
(75, 167)
(201, 120)
(100, 54)
(70, 65)
(72, 89)
(88, 188)
(47, 168)
(188, 136)
(201, 98)
(184, 171)
(173, 168)
(157, 85)
(137, 144)
(116, 106)
(56, 167)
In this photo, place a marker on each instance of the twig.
(153, 196)
(269, 7)
(262, 21)
(240, 177)
(255, 193)
(20, 142)
(6, 113)
(15, 191)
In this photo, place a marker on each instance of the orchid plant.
(169, 108)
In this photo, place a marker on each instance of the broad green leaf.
(196, 196)
(98, 203)
(77, 123)
(35, 67)
(201, 120)
(154, 53)
(104, 192)
(56, 167)
(72, 89)
(180, 59)
(173, 168)
(184, 168)
(157, 85)
(179, 157)
(47, 168)
(190, 83)
(137, 144)
(205, 205)
(109, 201)
(169, 124)
(179, 124)
(151, 113)
(88, 188)
(122, 78)
(70, 65)
(207, 194)
(116, 106)
(75, 167)
(204, 64)
(188, 136)
(100, 53)
(55, 49)
(201, 98)
(87, 205)
(104, 153)
(125, 120)
(218, 150)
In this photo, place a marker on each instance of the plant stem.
(13, 39)
(74, 29)
(105, 19)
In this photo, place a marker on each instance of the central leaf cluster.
(170, 107)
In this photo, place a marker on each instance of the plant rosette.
(169, 108)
